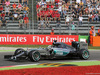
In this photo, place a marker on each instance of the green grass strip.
(33, 46)
(7, 50)
(22, 67)
(84, 63)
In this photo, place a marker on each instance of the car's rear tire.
(84, 54)
(18, 51)
(34, 55)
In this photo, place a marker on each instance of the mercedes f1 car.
(57, 49)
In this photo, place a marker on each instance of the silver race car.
(56, 50)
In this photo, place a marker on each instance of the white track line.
(25, 65)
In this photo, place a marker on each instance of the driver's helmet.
(54, 42)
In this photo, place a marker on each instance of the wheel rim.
(85, 54)
(36, 56)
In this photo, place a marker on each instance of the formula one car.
(57, 49)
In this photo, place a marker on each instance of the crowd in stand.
(88, 7)
(14, 12)
(55, 10)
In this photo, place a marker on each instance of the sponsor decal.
(36, 39)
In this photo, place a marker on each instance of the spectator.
(0, 23)
(84, 1)
(43, 3)
(52, 6)
(25, 2)
(53, 14)
(96, 18)
(52, 1)
(94, 10)
(81, 3)
(98, 32)
(58, 22)
(98, 9)
(21, 22)
(24, 14)
(26, 21)
(90, 9)
(47, 17)
(78, 1)
(46, 14)
(39, 15)
(76, 6)
(78, 11)
(80, 19)
(1, 9)
(37, 7)
(42, 24)
(64, 9)
(71, 18)
(73, 13)
(73, 26)
(60, 3)
(98, 2)
(47, 2)
(7, 3)
(88, 3)
(94, 3)
(93, 16)
(60, 10)
(25, 9)
(15, 14)
(7, 10)
(2, 2)
(2, 15)
(20, 1)
(14, 6)
(67, 20)
(64, 12)
(52, 32)
(4, 22)
(90, 17)
(57, 15)
(86, 10)
(11, 17)
(67, 8)
(20, 7)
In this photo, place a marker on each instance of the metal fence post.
(32, 17)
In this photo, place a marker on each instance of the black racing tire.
(18, 51)
(84, 54)
(34, 55)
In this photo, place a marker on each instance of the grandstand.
(13, 26)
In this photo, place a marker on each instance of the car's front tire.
(18, 51)
(84, 54)
(34, 55)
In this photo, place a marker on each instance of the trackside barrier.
(36, 39)
(84, 38)
(96, 41)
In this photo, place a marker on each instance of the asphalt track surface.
(94, 55)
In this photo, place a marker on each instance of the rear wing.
(80, 45)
